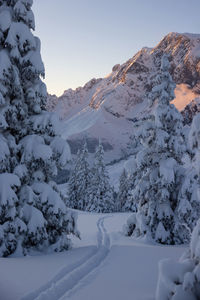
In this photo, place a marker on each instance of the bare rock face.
(121, 96)
(191, 110)
(185, 53)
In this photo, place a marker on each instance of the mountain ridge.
(113, 101)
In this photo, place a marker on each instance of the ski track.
(73, 277)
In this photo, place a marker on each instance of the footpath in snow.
(102, 265)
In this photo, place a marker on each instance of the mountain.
(106, 107)
(190, 111)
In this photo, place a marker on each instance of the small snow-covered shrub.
(181, 280)
(129, 227)
(136, 226)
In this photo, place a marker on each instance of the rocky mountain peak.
(184, 53)
(133, 78)
(106, 107)
(184, 50)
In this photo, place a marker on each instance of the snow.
(167, 169)
(20, 8)
(35, 148)
(21, 171)
(21, 32)
(104, 264)
(4, 63)
(20, 276)
(48, 195)
(195, 242)
(4, 150)
(35, 217)
(124, 276)
(62, 149)
(194, 134)
(116, 170)
(5, 19)
(167, 267)
(35, 59)
(80, 122)
(180, 280)
(45, 121)
(7, 193)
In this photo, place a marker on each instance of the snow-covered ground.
(104, 264)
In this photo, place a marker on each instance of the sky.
(84, 39)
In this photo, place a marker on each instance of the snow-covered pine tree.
(100, 193)
(188, 208)
(72, 199)
(32, 212)
(194, 142)
(79, 181)
(130, 204)
(125, 199)
(158, 163)
(123, 192)
(181, 280)
(84, 178)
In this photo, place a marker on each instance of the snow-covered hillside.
(105, 108)
(104, 264)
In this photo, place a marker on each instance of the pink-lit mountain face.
(104, 108)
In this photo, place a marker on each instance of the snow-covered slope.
(104, 108)
(104, 264)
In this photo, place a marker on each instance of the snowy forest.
(155, 202)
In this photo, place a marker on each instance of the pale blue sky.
(82, 39)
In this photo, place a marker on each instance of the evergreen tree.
(125, 199)
(130, 203)
(79, 181)
(84, 178)
(158, 163)
(188, 208)
(100, 193)
(123, 192)
(72, 198)
(32, 211)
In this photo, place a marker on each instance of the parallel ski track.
(71, 277)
